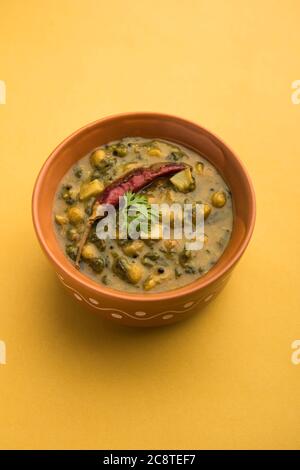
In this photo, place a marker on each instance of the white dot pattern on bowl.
(77, 297)
(140, 314)
(208, 297)
(188, 304)
(116, 315)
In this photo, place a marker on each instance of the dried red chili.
(133, 181)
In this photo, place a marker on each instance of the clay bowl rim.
(78, 278)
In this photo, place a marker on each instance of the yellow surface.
(225, 378)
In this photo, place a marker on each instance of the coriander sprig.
(136, 206)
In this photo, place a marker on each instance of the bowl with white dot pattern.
(148, 309)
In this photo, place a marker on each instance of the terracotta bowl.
(147, 309)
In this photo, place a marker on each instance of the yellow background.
(223, 379)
